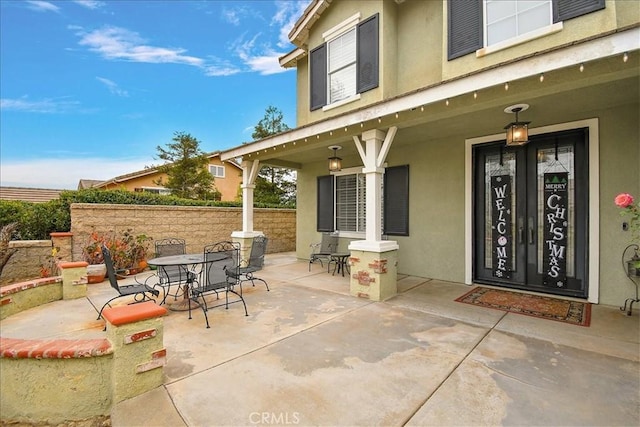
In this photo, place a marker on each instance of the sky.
(89, 89)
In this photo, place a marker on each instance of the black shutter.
(325, 203)
(396, 201)
(465, 27)
(367, 55)
(567, 9)
(318, 77)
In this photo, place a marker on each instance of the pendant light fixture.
(335, 162)
(517, 132)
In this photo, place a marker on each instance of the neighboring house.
(35, 195)
(415, 93)
(227, 178)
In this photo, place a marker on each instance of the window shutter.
(325, 203)
(465, 27)
(396, 201)
(567, 9)
(318, 77)
(368, 68)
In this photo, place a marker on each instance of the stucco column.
(373, 260)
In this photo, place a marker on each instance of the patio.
(310, 354)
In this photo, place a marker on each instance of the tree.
(187, 169)
(273, 184)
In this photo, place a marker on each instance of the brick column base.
(374, 275)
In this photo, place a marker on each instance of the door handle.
(532, 232)
(520, 230)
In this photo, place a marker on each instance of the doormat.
(576, 313)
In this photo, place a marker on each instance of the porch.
(311, 354)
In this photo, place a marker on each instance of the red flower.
(623, 200)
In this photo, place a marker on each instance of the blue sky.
(89, 88)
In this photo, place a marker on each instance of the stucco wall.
(199, 226)
(26, 262)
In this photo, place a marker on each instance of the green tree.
(187, 169)
(273, 184)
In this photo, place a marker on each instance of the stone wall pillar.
(63, 243)
(136, 334)
(74, 279)
(374, 273)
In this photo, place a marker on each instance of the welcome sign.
(501, 226)
(556, 227)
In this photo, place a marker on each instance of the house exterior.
(227, 178)
(418, 94)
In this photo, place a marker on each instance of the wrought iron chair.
(172, 275)
(324, 249)
(140, 291)
(220, 273)
(255, 262)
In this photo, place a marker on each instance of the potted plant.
(625, 201)
(92, 254)
(128, 252)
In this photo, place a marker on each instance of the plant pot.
(96, 273)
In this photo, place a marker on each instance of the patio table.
(188, 261)
(340, 261)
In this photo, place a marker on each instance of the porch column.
(245, 237)
(373, 260)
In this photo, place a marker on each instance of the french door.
(530, 214)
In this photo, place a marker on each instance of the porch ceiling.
(564, 94)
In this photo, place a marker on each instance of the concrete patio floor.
(310, 354)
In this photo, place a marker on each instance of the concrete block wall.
(199, 226)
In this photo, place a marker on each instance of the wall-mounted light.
(517, 132)
(335, 162)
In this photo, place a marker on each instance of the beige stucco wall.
(435, 247)
(227, 186)
(199, 226)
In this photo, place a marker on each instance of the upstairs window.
(475, 24)
(346, 64)
(506, 19)
(216, 171)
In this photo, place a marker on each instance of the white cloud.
(42, 6)
(90, 4)
(287, 13)
(47, 106)
(65, 173)
(113, 87)
(120, 43)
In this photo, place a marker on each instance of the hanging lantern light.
(517, 132)
(335, 162)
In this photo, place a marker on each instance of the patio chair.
(255, 262)
(172, 275)
(140, 291)
(324, 249)
(220, 273)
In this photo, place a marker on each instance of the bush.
(37, 220)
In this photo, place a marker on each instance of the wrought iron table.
(340, 262)
(188, 261)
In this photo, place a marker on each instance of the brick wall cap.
(61, 234)
(74, 264)
(30, 284)
(133, 313)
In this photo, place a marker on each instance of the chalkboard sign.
(556, 227)
(501, 235)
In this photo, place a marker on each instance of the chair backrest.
(170, 246)
(111, 272)
(222, 261)
(329, 243)
(167, 247)
(258, 249)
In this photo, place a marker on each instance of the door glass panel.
(506, 172)
(558, 220)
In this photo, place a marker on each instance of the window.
(216, 171)
(342, 202)
(350, 202)
(346, 64)
(155, 190)
(505, 19)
